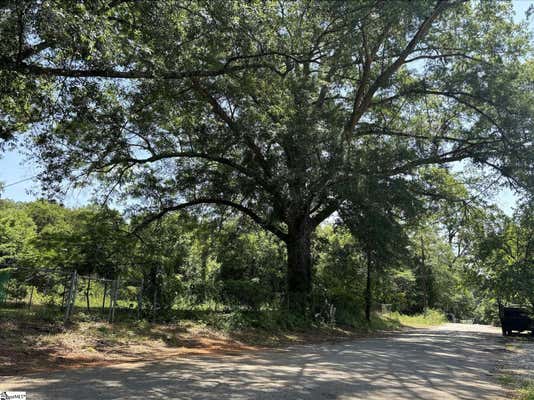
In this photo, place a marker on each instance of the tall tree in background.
(270, 107)
(377, 217)
(502, 261)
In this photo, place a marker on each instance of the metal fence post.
(71, 297)
(140, 301)
(104, 297)
(114, 295)
(31, 298)
(111, 304)
(115, 299)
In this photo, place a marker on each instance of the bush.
(429, 317)
(336, 305)
(251, 293)
(266, 320)
(16, 290)
(487, 312)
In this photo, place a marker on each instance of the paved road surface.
(450, 362)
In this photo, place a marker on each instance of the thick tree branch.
(375, 130)
(270, 188)
(216, 201)
(451, 156)
(7, 64)
(324, 213)
(188, 154)
(221, 113)
(362, 102)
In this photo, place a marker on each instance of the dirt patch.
(34, 346)
(29, 347)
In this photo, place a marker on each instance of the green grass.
(506, 380)
(36, 314)
(96, 296)
(223, 320)
(266, 326)
(523, 388)
(383, 323)
(428, 318)
(526, 392)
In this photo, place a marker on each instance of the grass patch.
(526, 392)
(428, 318)
(42, 326)
(523, 388)
(262, 323)
(277, 334)
(36, 338)
(506, 380)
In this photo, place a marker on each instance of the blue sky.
(14, 167)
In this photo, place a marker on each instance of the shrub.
(251, 293)
(429, 317)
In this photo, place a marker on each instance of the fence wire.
(69, 295)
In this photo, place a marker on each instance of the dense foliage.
(268, 108)
(188, 264)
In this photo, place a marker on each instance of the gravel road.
(452, 361)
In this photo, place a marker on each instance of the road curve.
(449, 362)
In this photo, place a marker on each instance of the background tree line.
(190, 263)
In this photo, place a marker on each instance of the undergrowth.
(429, 318)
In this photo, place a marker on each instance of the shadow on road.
(419, 364)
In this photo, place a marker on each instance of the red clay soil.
(26, 348)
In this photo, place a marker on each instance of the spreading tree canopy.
(265, 107)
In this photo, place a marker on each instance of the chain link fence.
(68, 295)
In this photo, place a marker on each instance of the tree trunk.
(104, 299)
(426, 277)
(65, 291)
(71, 299)
(140, 301)
(87, 292)
(204, 272)
(299, 267)
(154, 273)
(368, 293)
(31, 298)
(154, 303)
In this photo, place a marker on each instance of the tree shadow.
(414, 365)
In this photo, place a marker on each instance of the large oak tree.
(265, 107)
